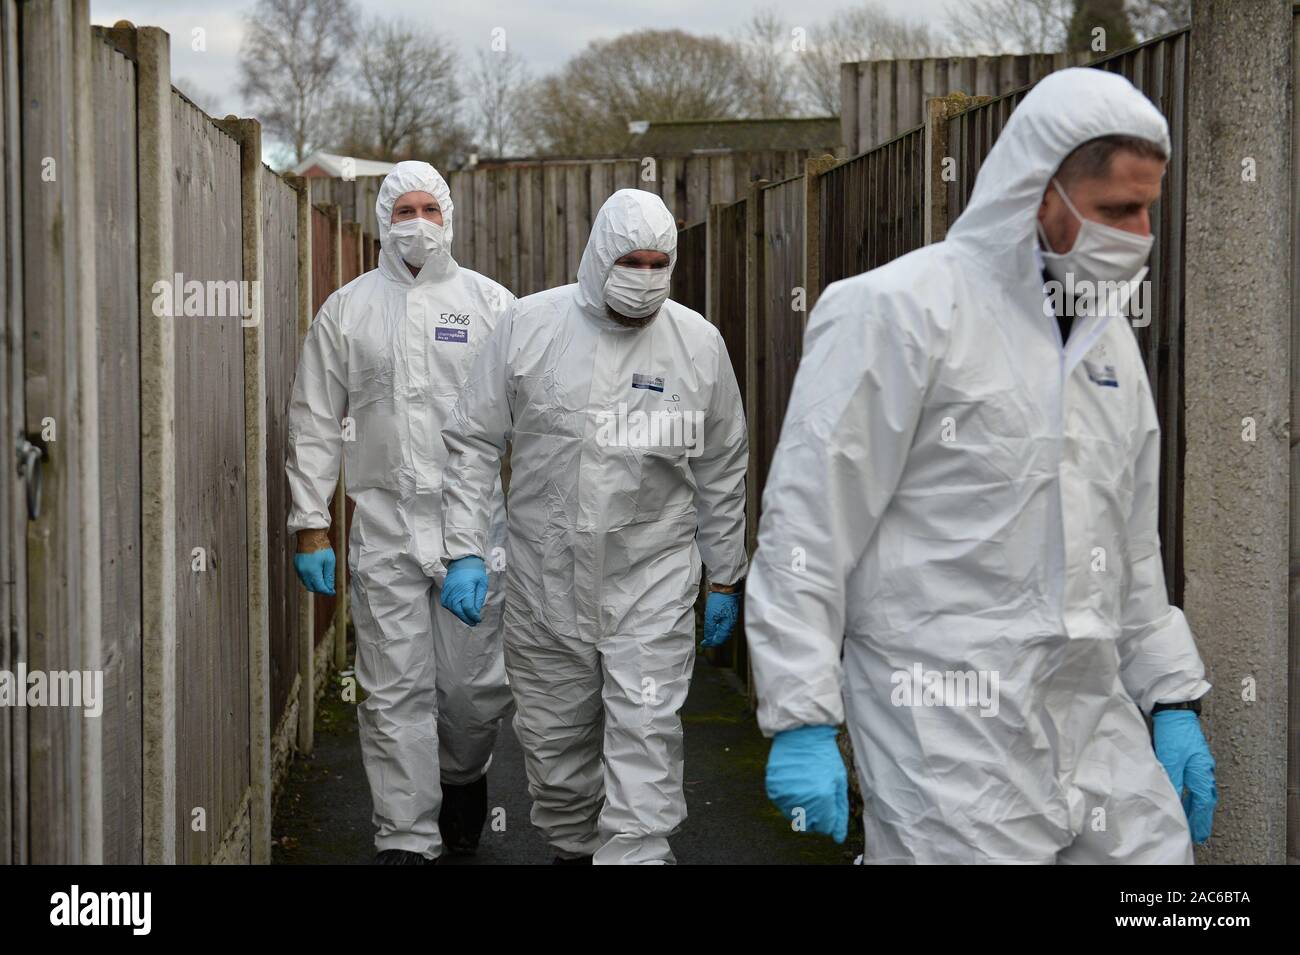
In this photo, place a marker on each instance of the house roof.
(332, 165)
(738, 135)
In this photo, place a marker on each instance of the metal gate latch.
(29, 472)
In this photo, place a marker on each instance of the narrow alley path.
(323, 816)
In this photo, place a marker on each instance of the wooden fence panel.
(780, 335)
(117, 269)
(211, 605)
(324, 281)
(503, 186)
(690, 271)
(350, 253)
(553, 225)
(872, 208)
(323, 246)
(482, 223)
(882, 98)
(531, 247)
(729, 300)
(695, 205)
(280, 314)
(13, 510)
(526, 225)
(463, 232)
(354, 197)
(51, 331)
(602, 186)
(627, 174)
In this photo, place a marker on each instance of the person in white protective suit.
(627, 467)
(381, 368)
(958, 554)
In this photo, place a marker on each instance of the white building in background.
(322, 165)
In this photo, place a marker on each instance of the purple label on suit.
(452, 335)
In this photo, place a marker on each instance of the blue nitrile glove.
(720, 612)
(805, 771)
(316, 570)
(465, 589)
(1182, 750)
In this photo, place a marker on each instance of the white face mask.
(1101, 253)
(415, 240)
(636, 293)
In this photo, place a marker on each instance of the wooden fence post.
(13, 510)
(248, 134)
(812, 235)
(753, 348)
(306, 623)
(712, 263)
(51, 332)
(340, 518)
(754, 238)
(92, 655)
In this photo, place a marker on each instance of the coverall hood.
(1065, 110)
(630, 219)
(413, 176)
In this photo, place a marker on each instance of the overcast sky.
(544, 32)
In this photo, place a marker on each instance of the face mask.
(415, 240)
(1101, 253)
(636, 293)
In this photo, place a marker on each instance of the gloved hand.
(316, 570)
(720, 612)
(1182, 750)
(465, 589)
(805, 771)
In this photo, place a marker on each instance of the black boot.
(402, 857)
(464, 810)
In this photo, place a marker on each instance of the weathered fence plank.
(882, 98)
(52, 333)
(689, 273)
(13, 511)
(117, 260)
(212, 603)
(280, 317)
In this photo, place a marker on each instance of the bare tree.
(351, 127)
(862, 33)
(406, 83)
(1041, 26)
(986, 27)
(1154, 17)
(446, 145)
(766, 52)
(502, 100)
(652, 75)
(290, 61)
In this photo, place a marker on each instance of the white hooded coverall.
(608, 525)
(970, 497)
(389, 351)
